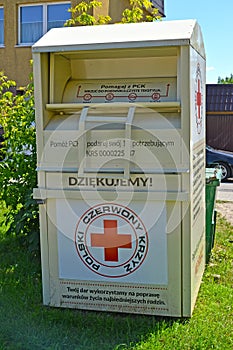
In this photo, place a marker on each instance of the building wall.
(219, 128)
(14, 58)
(219, 116)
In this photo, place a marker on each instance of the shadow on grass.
(26, 324)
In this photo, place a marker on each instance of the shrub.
(18, 164)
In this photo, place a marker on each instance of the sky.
(215, 18)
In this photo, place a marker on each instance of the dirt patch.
(226, 210)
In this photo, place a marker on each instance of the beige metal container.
(121, 166)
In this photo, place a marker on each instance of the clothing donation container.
(121, 166)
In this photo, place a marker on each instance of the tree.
(227, 80)
(135, 13)
(81, 14)
(18, 167)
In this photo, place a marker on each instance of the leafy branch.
(81, 14)
(136, 12)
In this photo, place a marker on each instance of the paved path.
(225, 193)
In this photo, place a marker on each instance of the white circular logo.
(111, 240)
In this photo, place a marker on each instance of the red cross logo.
(199, 99)
(111, 240)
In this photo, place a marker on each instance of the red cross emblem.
(199, 99)
(110, 240)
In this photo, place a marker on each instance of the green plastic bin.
(213, 177)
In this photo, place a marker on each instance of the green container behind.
(213, 177)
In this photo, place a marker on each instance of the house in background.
(219, 116)
(23, 22)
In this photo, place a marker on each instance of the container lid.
(113, 36)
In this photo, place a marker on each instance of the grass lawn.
(26, 324)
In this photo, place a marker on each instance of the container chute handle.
(82, 145)
(82, 142)
(128, 129)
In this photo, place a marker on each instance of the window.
(1, 25)
(36, 20)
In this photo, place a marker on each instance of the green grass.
(26, 324)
